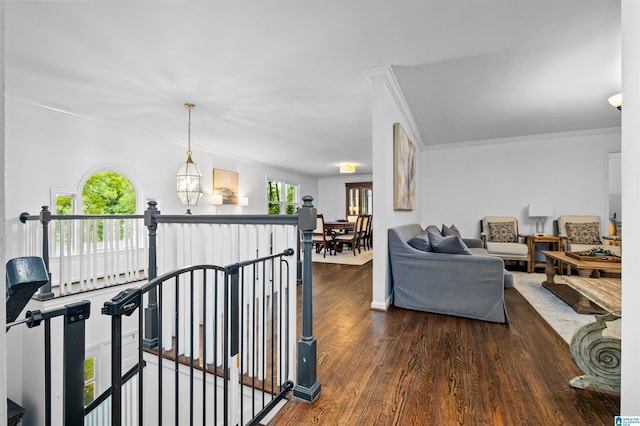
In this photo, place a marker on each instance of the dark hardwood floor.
(404, 367)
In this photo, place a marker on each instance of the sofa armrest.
(473, 242)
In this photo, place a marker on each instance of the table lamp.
(540, 211)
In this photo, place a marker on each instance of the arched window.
(108, 193)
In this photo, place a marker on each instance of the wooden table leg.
(550, 271)
(586, 273)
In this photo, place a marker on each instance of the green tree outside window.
(108, 193)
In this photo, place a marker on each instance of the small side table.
(532, 240)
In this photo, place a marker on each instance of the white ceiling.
(282, 81)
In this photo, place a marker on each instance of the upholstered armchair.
(501, 239)
(579, 233)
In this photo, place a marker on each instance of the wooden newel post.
(308, 387)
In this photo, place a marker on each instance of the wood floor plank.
(404, 367)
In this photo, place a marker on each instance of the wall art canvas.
(225, 183)
(404, 170)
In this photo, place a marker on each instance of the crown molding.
(387, 75)
(527, 138)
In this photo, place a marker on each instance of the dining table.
(342, 226)
(339, 225)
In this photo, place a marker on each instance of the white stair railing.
(88, 252)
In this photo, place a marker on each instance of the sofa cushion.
(478, 251)
(451, 244)
(502, 232)
(583, 233)
(508, 249)
(420, 242)
(450, 231)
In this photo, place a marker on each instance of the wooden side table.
(532, 240)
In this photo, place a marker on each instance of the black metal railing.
(264, 352)
(74, 317)
(240, 368)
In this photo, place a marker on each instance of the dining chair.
(366, 240)
(352, 238)
(362, 242)
(320, 239)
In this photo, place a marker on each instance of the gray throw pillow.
(433, 228)
(450, 245)
(420, 242)
(450, 231)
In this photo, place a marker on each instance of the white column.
(3, 336)
(630, 397)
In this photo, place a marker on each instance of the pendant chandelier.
(189, 178)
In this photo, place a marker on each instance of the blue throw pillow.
(451, 244)
(420, 242)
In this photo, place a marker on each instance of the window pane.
(108, 193)
(291, 193)
(273, 191)
(274, 208)
(367, 202)
(64, 204)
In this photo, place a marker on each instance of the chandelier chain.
(189, 106)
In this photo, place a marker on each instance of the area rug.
(560, 316)
(344, 258)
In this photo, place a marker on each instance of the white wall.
(388, 108)
(332, 194)
(61, 149)
(3, 343)
(630, 397)
(461, 184)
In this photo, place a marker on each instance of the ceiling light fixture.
(347, 168)
(616, 100)
(189, 178)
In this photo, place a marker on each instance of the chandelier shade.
(189, 183)
(189, 178)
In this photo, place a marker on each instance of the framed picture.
(225, 183)
(404, 170)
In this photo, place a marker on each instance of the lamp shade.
(243, 201)
(189, 183)
(540, 210)
(616, 100)
(217, 200)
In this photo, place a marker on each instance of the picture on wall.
(404, 170)
(225, 183)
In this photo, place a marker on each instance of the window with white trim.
(282, 197)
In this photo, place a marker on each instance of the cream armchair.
(501, 239)
(579, 233)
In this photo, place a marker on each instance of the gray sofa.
(467, 285)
